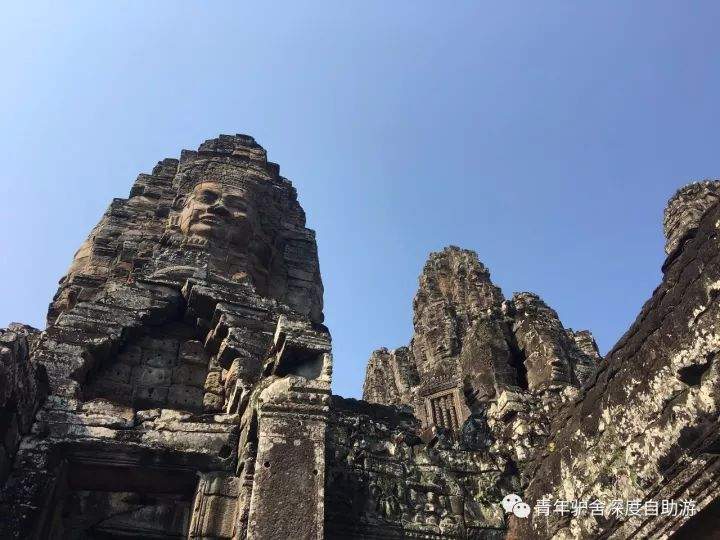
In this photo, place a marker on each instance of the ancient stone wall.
(383, 481)
(460, 338)
(646, 426)
(391, 377)
(639, 425)
(182, 387)
(475, 356)
(22, 389)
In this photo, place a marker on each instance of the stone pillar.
(289, 482)
(214, 512)
(247, 477)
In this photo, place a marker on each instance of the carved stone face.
(560, 370)
(546, 366)
(217, 211)
(82, 256)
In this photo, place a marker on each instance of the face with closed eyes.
(217, 211)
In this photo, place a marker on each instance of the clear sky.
(547, 136)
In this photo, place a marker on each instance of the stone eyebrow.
(234, 199)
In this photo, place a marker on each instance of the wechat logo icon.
(513, 503)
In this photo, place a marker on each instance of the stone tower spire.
(189, 300)
(685, 208)
(470, 346)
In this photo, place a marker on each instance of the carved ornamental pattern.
(444, 409)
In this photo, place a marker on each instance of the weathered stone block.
(192, 375)
(149, 396)
(119, 372)
(192, 352)
(154, 376)
(131, 355)
(184, 397)
(212, 402)
(219, 516)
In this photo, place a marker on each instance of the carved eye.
(234, 202)
(207, 196)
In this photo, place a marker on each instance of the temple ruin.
(182, 386)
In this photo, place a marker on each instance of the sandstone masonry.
(182, 387)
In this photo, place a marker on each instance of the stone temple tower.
(186, 335)
(182, 387)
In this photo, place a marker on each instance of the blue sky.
(547, 136)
